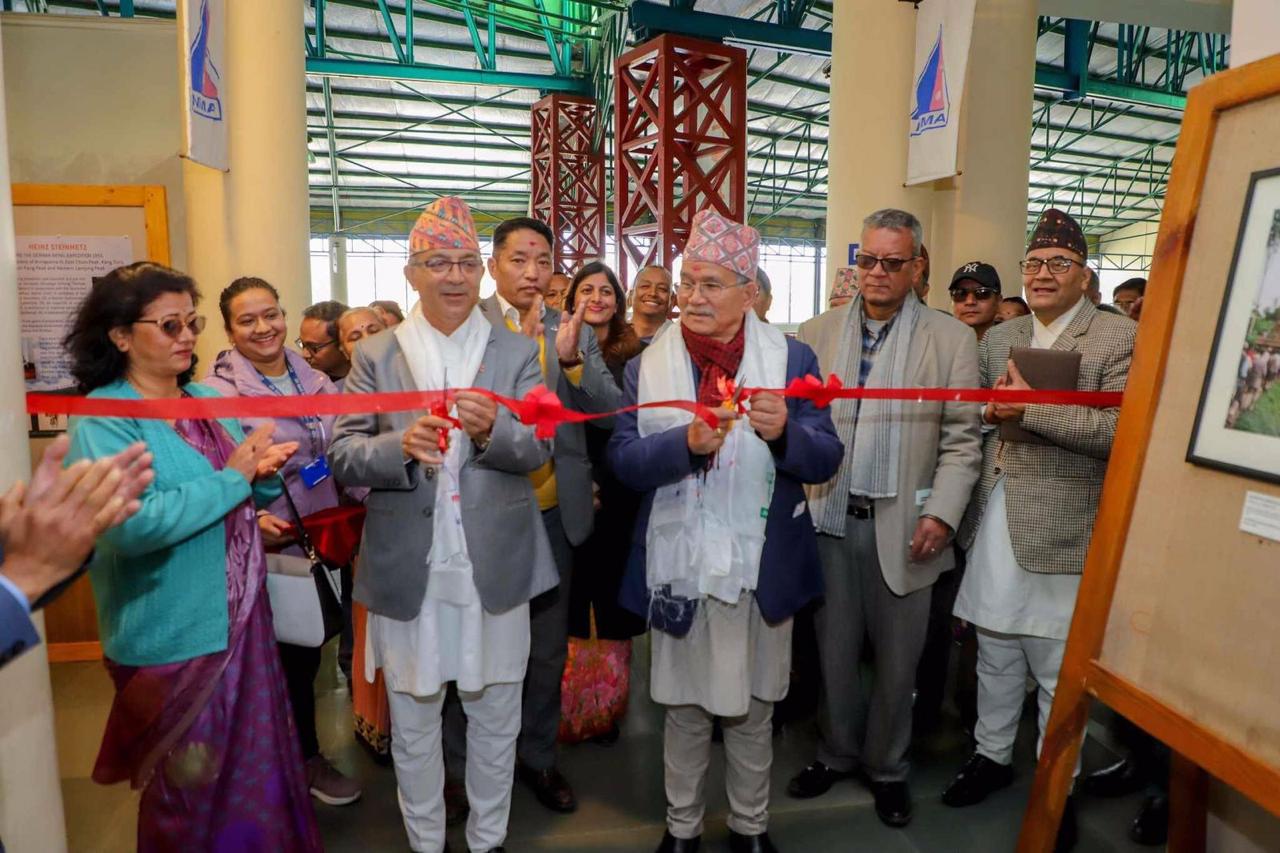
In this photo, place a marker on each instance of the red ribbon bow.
(542, 410)
(810, 387)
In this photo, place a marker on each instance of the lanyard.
(315, 427)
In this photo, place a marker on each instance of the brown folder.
(1044, 370)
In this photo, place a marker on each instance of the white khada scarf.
(706, 532)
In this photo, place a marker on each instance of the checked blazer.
(1052, 490)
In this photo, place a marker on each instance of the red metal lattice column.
(568, 178)
(680, 144)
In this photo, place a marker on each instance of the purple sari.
(210, 741)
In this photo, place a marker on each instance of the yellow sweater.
(544, 479)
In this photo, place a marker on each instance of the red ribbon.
(540, 408)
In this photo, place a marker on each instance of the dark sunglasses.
(173, 326)
(960, 294)
(868, 262)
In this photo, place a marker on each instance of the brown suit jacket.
(1052, 490)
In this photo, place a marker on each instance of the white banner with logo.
(204, 76)
(943, 30)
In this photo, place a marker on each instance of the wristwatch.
(577, 359)
(482, 443)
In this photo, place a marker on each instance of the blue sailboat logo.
(204, 88)
(933, 102)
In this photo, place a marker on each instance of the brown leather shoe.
(550, 787)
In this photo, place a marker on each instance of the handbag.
(594, 688)
(305, 592)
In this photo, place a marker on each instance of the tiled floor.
(619, 788)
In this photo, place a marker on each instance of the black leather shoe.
(1151, 826)
(1118, 780)
(893, 803)
(551, 788)
(750, 843)
(456, 807)
(1068, 832)
(977, 779)
(814, 781)
(671, 844)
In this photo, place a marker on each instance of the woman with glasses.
(200, 720)
(259, 365)
(599, 668)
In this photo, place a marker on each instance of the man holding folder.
(1029, 523)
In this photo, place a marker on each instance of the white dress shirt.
(997, 593)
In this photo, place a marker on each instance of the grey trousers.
(548, 648)
(748, 754)
(858, 726)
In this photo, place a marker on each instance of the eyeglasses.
(173, 326)
(1057, 265)
(960, 294)
(709, 289)
(313, 349)
(442, 266)
(891, 265)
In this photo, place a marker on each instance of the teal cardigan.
(160, 579)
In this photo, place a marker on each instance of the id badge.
(315, 473)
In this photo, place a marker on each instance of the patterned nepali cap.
(1057, 230)
(446, 223)
(846, 283)
(720, 241)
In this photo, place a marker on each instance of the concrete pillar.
(253, 219)
(871, 78)
(338, 268)
(982, 213)
(30, 795)
(1255, 30)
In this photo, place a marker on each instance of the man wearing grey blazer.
(572, 367)
(454, 545)
(885, 522)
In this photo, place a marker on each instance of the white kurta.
(454, 640)
(997, 593)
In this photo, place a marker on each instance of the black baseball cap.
(984, 274)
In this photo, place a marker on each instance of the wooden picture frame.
(1244, 442)
(71, 621)
(1198, 743)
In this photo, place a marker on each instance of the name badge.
(922, 495)
(315, 473)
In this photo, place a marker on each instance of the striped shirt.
(874, 334)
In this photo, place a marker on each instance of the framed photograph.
(1237, 426)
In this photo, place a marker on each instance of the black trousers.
(301, 665)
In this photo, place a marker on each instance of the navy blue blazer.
(809, 451)
(17, 633)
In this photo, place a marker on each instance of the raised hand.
(568, 333)
(47, 537)
(245, 458)
(531, 324)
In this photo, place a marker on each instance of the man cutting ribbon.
(724, 551)
(447, 601)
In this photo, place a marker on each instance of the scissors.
(441, 410)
